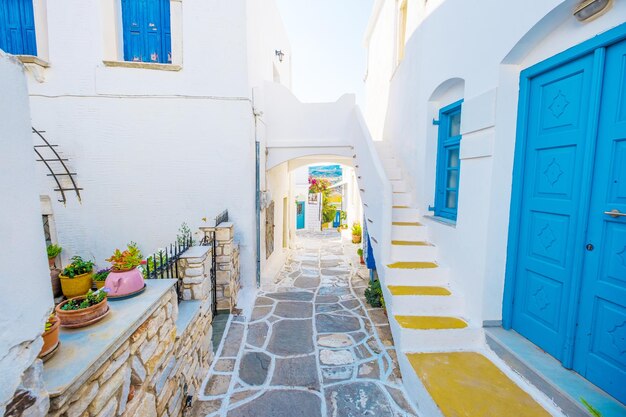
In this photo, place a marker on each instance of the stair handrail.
(377, 196)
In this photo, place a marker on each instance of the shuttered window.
(17, 27)
(448, 162)
(147, 34)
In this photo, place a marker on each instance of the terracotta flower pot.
(74, 287)
(361, 260)
(55, 282)
(50, 338)
(51, 262)
(84, 316)
(356, 238)
(122, 283)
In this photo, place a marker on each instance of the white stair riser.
(393, 173)
(411, 233)
(428, 305)
(405, 215)
(403, 199)
(426, 276)
(442, 340)
(401, 253)
(398, 186)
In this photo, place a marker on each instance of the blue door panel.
(300, 215)
(600, 352)
(554, 161)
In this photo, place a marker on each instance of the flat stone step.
(412, 265)
(470, 385)
(431, 322)
(400, 290)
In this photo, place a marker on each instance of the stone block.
(194, 272)
(147, 407)
(195, 280)
(138, 371)
(125, 391)
(187, 295)
(155, 322)
(223, 277)
(165, 374)
(148, 349)
(224, 232)
(108, 388)
(115, 365)
(109, 409)
(85, 396)
(225, 267)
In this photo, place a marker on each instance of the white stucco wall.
(153, 148)
(455, 40)
(25, 295)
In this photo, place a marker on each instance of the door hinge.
(431, 208)
(435, 122)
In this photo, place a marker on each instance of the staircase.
(448, 370)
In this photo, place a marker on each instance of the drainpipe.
(257, 172)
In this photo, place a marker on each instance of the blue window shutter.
(448, 162)
(147, 35)
(132, 17)
(17, 27)
(29, 42)
(166, 55)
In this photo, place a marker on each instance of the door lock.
(589, 247)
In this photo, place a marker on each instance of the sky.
(326, 36)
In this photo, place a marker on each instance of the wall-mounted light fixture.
(280, 54)
(590, 8)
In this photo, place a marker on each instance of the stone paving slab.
(311, 348)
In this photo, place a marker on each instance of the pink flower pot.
(125, 282)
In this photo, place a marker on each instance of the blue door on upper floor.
(567, 242)
(300, 215)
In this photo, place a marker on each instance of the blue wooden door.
(300, 215)
(553, 185)
(600, 352)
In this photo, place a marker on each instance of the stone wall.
(151, 373)
(227, 266)
(194, 268)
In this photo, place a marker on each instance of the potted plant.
(84, 310)
(50, 337)
(125, 278)
(359, 251)
(53, 251)
(356, 232)
(100, 276)
(76, 277)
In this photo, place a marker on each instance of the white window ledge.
(31, 59)
(143, 65)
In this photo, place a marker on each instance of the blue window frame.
(448, 161)
(147, 34)
(17, 27)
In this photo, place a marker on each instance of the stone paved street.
(311, 347)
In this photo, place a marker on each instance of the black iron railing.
(164, 263)
(209, 240)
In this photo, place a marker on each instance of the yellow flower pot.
(99, 284)
(77, 286)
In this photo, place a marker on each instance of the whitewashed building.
(501, 129)
(153, 107)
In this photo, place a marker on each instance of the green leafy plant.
(53, 250)
(153, 262)
(49, 322)
(359, 252)
(78, 267)
(102, 274)
(374, 294)
(356, 229)
(182, 238)
(343, 216)
(592, 410)
(91, 299)
(127, 259)
(328, 211)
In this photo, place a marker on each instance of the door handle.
(615, 213)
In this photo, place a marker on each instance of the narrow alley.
(313, 347)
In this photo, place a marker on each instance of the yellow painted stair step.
(409, 243)
(406, 223)
(417, 290)
(412, 265)
(400, 207)
(430, 322)
(470, 385)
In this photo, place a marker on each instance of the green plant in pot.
(53, 251)
(125, 279)
(374, 294)
(84, 310)
(359, 252)
(357, 232)
(50, 337)
(101, 276)
(76, 277)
